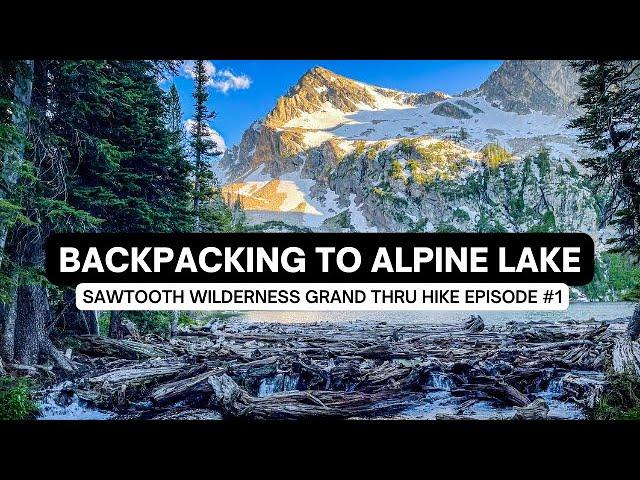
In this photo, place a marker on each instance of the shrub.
(494, 155)
(621, 400)
(147, 322)
(406, 146)
(543, 162)
(358, 148)
(446, 228)
(16, 402)
(397, 172)
(548, 223)
(461, 215)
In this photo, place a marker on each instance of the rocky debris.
(425, 98)
(446, 109)
(466, 105)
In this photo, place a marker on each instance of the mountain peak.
(523, 86)
(316, 89)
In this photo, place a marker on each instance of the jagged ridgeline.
(336, 154)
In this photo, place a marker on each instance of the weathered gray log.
(536, 410)
(349, 369)
(582, 390)
(474, 324)
(454, 417)
(181, 389)
(633, 328)
(558, 345)
(137, 375)
(235, 402)
(95, 345)
(591, 334)
(188, 414)
(626, 355)
(498, 390)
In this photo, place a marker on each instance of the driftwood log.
(349, 369)
(626, 355)
(536, 410)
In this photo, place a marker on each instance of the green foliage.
(615, 276)
(344, 219)
(126, 167)
(277, 225)
(609, 127)
(486, 224)
(495, 155)
(373, 151)
(461, 215)
(151, 322)
(379, 192)
(462, 135)
(446, 228)
(16, 402)
(206, 195)
(358, 148)
(406, 146)
(417, 173)
(419, 226)
(397, 172)
(543, 161)
(103, 323)
(621, 399)
(548, 223)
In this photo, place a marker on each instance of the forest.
(92, 146)
(100, 146)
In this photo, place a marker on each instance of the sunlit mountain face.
(336, 154)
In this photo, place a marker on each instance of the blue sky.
(245, 90)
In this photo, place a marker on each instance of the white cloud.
(221, 80)
(211, 133)
(226, 80)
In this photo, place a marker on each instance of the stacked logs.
(344, 369)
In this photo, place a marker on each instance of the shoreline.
(344, 369)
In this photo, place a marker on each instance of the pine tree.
(610, 126)
(16, 80)
(206, 198)
(101, 158)
(174, 112)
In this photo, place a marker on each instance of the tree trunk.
(93, 321)
(633, 329)
(13, 156)
(116, 329)
(33, 313)
(74, 320)
(8, 325)
(174, 323)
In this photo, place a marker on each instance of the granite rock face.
(523, 86)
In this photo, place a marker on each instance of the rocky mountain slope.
(336, 154)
